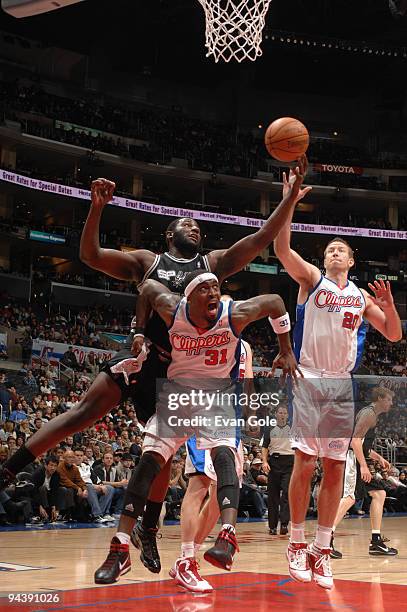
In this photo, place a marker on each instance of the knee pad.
(228, 482)
(139, 485)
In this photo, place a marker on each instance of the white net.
(234, 28)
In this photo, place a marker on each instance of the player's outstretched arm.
(273, 307)
(226, 262)
(124, 266)
(381, 312)
(306, 274)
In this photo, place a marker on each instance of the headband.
(198, 280)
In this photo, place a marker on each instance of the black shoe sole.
(336, 556)
(104, 581)
(217, 562)
(137, 544)
(378, 553)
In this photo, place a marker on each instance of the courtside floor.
(60, 563)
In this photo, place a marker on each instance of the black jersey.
(369, 437)
(171, 272)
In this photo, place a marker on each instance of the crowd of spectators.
(162, 134)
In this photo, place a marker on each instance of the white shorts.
(169, 429)
(200, 461)
(322, 414)
(350, 476)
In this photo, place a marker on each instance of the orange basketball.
(286, 139)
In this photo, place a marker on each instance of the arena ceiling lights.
(349, 46)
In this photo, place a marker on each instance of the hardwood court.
(64, 560)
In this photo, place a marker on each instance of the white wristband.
(141, 335)
(281, 325)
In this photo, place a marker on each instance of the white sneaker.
(319, 560)
(99, 519)
(109, 519)
(298, 563)
(188, 576)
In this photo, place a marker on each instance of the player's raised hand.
(102, 192)
(292, 184)
(286, 362)
(382, 294)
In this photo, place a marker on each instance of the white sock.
(187, 550)
(323, 537)
(333, 529)
(229, 528)
(196, 548)
(123, 537)
(297, 534)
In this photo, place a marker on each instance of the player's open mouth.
(194, 237)
(213, 307)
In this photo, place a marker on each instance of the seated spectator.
(18, 414)
(177, 485)
(108, 475)
(257, 473)
(70, 478)
(252, 497)
(29, 380)
(49, 496)
(69, 359)
(100, 496)
(125, 466)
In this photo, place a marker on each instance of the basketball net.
(234, 28)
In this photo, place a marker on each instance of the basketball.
(286, 139)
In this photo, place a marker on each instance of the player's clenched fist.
(102, 192)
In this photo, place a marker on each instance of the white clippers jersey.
(330, 332)
(211, 353)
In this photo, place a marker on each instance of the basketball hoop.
(234, 28)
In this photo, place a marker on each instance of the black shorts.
(363, 488)
(142, 386)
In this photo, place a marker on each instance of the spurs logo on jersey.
(329, 333)
(171, 272)
(211, 354)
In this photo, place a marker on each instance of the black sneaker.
(146, 541)
(379, 548)
(6, 478)
(273, 531)
(334, 554)
(221, 555)
(117, 563)
(283, 529)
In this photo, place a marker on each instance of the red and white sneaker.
(186, 573)
(319, 560)
(298, 563)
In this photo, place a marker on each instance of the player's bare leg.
(299, 493)
(344, 505)
(186, 569)
(328, 501)
(377, 546)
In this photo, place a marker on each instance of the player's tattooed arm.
(158, 297)
(226, 262)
